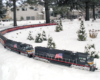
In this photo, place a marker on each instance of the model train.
(52, 55)
(65, 57)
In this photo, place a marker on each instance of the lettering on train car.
(50, 55)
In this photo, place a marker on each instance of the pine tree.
(90, 49)
(2, 10)
(96, 56)
(81, 32)
(30, 36)
(57, 28)
(38, 38)
(60, 25)
(44, 36)
(51, 44)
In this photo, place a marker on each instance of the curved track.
(2, 32)
(4, 39)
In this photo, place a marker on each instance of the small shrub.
(21, 18)
(96, 56)
(17, 9)
(31, 7)
(44, 36)
(90, 49)
(57, 28)
(38, 38)
(51, 44)
(60, 25)
(30, 36)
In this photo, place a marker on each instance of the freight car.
(65, 57)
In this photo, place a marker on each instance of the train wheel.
(33, 56)
(4, 46)
(19, 52)
(69, 65)
(29, 55)
(91, 68)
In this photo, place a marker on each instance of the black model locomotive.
(65, 57)
(19, 47)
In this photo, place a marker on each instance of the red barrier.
(23, 27)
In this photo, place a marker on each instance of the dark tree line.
(73, 4)
(2, 10)
(12, 3)
(47, 4)
(81, 4)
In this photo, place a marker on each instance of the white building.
(33, 12)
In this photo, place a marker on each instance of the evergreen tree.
(96, 56)
(81, 4)
(94, 3)
(2, 10)
(81, 32)
(12, 3)
(44, 36)
(30, 36)
(62, 10)
(58, 28)
(61, 26)
(38, 38)
(51, 44)
(90, 49)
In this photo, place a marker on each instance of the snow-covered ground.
(19, 67)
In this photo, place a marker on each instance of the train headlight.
(30, 51)
(90, 63)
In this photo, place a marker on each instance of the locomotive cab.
(91, 63)
(90, 60)
(28, 48)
